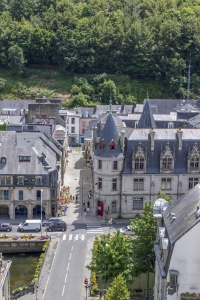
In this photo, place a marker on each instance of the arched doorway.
(37, 211)
(100, 208)
(4, 210)
(21, 210)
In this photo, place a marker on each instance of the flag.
(96, 183)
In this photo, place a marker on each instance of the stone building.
(4, 278)
(130, 165)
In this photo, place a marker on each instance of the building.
(130, 165)
(177, 272)
(4, 278)
(29, 174)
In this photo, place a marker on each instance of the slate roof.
(195, 121)
(13, 145)
(109, 134)
(165, 106)
(147, 119)
(185, 210)
(162, 137)
(15, 104)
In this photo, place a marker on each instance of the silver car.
(126, 230)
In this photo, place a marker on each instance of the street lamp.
(110, 224)
(41, 211)
(86, 285)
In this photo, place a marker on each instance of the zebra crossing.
(91, 229)
(97, 229)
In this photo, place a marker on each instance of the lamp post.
(86, 285)
(36, 288)
(41, 211)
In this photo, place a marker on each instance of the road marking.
(94, 229)
(68, 267)
(70, 256)
(63, 290)
(76, 238)
(66, 277)
(82, 238)
(64, 237)
(70, 237)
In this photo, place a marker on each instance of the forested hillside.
(145, 39)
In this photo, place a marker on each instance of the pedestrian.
(73, 198)
(89, 195)
(70, 197)
(76, 198)
(85, 211)
(83, 202)
(88, 209)
(88, 203)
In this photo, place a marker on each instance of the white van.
(30, 225)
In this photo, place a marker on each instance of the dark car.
(53, 219)
(5, 227)
(56, 226)
(74, 144)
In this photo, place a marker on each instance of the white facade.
(4, 279)
(73, 127)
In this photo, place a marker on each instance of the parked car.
(74, 144)
(5, 227)
(47, 222)
(30, 225)
(126, 230)
(57, 225)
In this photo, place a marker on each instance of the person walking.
(88, 209)
(88, 203)
(83, 202)
(85, 211)
(76, 198)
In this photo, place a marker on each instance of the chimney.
(152, 136)
(180, 136)
(122, 132)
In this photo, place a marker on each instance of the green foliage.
(16, 60)
(164, 196)
(113, 256)
(118, 289)
(77, 100)
(3, 127)
(108, 91)
(2, 84)
(143, 248)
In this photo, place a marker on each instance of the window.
(114, 206)
(112, 145)
(101, 145)
(173, 277)
(4, 195)
(170, 125)
(3, 160)
(114, 184)
(139, 163)
(38, 181)
(138, 184)
(115, 166)
(99, 164)
(20, 180)
(83, 131)
(138, 203)
(194, 163)
(167, 163)
(83, 123)
(166, 183)
(5, 180)
(193, 182)
(38, 195)
(100, 183)
(20, 195)
(72, 120)
(53, 184)
(72, 129)
(24, 158)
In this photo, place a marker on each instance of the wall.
(21, 246)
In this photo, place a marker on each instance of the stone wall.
(21, 246)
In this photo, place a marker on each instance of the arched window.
(139, 160)
(167, 160)
(3, 160)
(194, 160)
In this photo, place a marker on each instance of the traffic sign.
(86, 281)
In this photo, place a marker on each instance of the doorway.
(100, 208)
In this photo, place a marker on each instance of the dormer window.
(20, 180)
(38, 180)
(112, 145)
(194, 160)
(3, 160)
(139, 161)
(167, 160)
(101, 145)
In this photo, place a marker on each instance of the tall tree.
(16, 59)
(113, 256)
(118, 289)
(143, 247)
